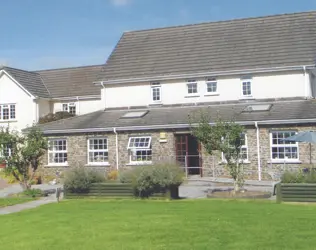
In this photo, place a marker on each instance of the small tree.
(22, 153)
(225, 137)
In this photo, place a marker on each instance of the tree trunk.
(25, 185)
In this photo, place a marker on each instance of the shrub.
(33, 193)
(54, 117)
(298, 177)
(112, 175)
(148, 180)
(79, 180)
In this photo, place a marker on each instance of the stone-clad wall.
(165, 151)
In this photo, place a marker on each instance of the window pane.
(211, 86)
(192, 88)
(246, 88)
(12, 111)
(156, 93)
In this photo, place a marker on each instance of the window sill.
(97, 165)
(244, 162)
(192, 95)
(284, 162)
(6, 121)
(139, 163)
(211, 94)
(250, 97)
(56, 165)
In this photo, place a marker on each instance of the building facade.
(258, 71)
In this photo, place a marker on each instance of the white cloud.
(121, 2)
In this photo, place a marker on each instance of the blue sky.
(40, 34)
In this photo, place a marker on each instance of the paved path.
(28, 205)
(16, 188)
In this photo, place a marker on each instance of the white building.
(26, 96)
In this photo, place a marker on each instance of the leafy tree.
(225, 137)
(25, 153)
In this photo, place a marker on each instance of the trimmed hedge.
(147, 181)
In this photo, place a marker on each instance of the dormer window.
(70, 108)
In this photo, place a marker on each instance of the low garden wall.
(296, 192)
(104, 190)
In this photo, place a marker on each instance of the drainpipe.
(258, 151)
(103, 95)
(307, 83)
(116, 148)
(78, 105)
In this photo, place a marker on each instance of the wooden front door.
(187, 153)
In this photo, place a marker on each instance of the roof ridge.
(223, 21)
(4, 67)
(74, 67)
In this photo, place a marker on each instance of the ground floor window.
(140, 149)
(5, 150)
(98, 151)
(282, 149)
(243, 149)
(57, 151)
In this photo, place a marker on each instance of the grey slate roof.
(166, 116)
(67, 82)
(31, 81)
(56, 83)
(251, 43)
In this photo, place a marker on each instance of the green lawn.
(14, 200)
(183, 224)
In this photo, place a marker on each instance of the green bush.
(298, 177)
(148, 180)
(79, 180)
(33, 193)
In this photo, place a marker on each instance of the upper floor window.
(98, 151)
(140, 149)
(7, 112)
(211, 85)
(57, 151)
(70, 107)
(156, 92)
(282, 149)
(246, 87)
(192, 87)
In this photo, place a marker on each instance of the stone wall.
(165, 151)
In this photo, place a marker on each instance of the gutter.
(174, 126)
(76, 97)
(204, 74)
(258, 151)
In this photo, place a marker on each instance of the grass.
(152, 225)
(4, 202)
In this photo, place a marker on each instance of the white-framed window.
(156, 92)
(57, 151)
(69, 107)
(5, 150)
(98, 151)
(246, 87)
(192, 87)
(243, 149)
(140, 149)
(7, 112)
(211, 85)
(282, 150)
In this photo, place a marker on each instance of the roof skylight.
(134, 114)
(257, 108)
